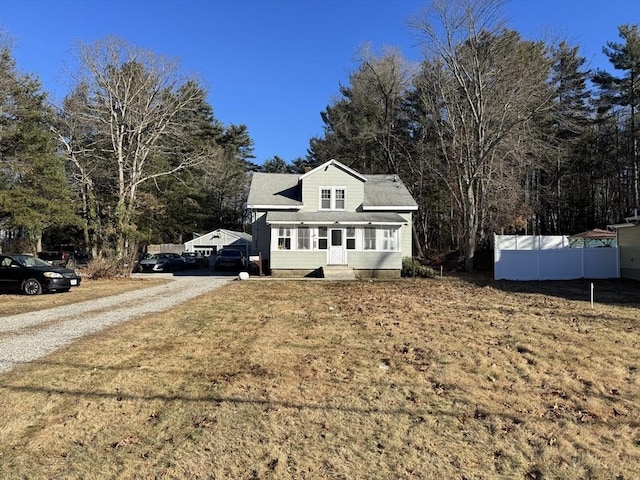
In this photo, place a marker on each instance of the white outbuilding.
(629, 245)
(211, 243)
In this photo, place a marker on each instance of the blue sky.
(272, 65)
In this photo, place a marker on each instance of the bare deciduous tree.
(482, 87)
(135, 114)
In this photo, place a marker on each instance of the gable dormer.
(332, 187)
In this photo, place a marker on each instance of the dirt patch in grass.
(13, 304)
(445, 378)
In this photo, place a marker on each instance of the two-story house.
(331, 215)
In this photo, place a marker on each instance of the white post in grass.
(592, 295)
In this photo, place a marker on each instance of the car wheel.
(32, 286)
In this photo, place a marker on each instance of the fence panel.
(532, 257)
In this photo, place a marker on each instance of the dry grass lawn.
(454, 378)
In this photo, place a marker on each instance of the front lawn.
(443, 378)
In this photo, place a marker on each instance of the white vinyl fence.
(549, 257)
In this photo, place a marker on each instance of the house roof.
(333, 217)
(274, 190)
(281, 191)
(336, 164)
(382, 191)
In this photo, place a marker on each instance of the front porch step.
(338, 272)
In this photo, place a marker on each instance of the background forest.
(491, 133)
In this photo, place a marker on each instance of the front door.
(337, 252)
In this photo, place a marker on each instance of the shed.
(210, 243)
(628, 237)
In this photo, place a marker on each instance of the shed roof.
(242, 236)
(595, 234)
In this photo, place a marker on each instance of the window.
(322, 238)
(351, 238)
(333, 198)
(284, 238)
(369, 238)
(325, 199)
(340, 199)
(388, 239)
(304, 238)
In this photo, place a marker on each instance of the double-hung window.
(351, 238)
(322, 238)
(333, 198)
(284, 238)
(369, 238)
(325, 199)
(340, 197)
(304, 238)
(388, 239)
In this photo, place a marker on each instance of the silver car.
(162, 262)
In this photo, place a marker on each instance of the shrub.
(412, 268)
(100, 267)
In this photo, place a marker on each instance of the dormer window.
(340, 198)
(333, 198)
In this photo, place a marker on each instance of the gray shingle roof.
(386, 191)
(281, 190)
(274, 189)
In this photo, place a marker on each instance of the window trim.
(324, 238)
(367, 239)
(306, 239)
(332, 198)
(284, 233)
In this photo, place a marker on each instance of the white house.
(331, 215)
(212, 242)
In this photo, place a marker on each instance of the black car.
(33, 276)
(229, 259)
(195, 260)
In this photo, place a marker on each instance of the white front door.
(337, 252)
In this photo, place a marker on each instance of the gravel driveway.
(29, 336)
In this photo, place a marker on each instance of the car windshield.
(30, 261)
(230, 253)
(158, 255)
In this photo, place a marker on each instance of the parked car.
(194, 260)
(32, 275)
(66, 255)
(229, 259)
(162, 262)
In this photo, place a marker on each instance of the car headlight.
(53, 275)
